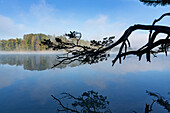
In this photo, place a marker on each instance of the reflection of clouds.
(41, 85)
(5, 81)
(8, 75)
(98, 81)
(40, 92)
(51, 81)
(131, 64)
(101, 81)
(103, 73)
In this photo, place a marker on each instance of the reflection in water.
(23, 91)
(32, 62)
(92, 102)
(160, 100)
(40, 62)
(148, 108)
(88, 102)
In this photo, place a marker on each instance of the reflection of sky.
(125, 84)
(131, 64)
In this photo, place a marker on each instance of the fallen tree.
(98, 50)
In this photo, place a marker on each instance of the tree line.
(32, 42)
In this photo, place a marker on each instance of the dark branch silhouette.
(74, 34)
(76, 52)
(148, 108)
(98, 50)
(156, 2)
(88, 102)
(160, 100)
(92, 102)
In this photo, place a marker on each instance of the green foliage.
(3, 43)
(31, 42)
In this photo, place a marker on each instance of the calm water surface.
(27, 83)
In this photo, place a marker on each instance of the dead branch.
(97, 51)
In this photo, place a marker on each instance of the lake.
(27, 83)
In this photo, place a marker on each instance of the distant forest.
(32, 42)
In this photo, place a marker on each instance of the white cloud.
(9, 29)
(46, 18)
(101, 27)
(42, 10)
(102, 19)
(40, 18)
(138, 39)
(43, 17)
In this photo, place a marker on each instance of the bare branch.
(64, 108)
(97, 51)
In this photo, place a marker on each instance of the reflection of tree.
(158, 99)
(88, 102)
(33, 62)
(92, 102)
(148, 108)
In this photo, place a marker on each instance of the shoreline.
(51, 52)
(31, 52)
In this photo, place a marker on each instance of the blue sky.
(94, 18)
